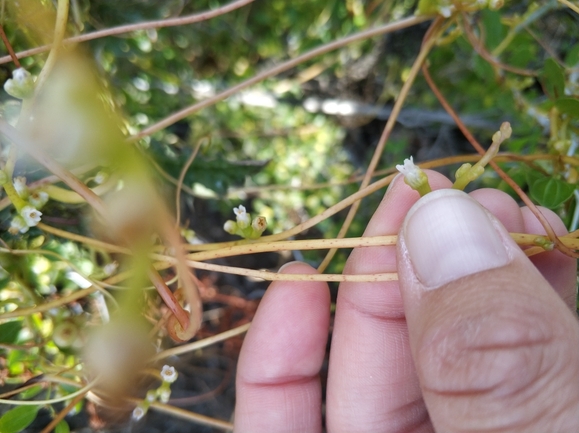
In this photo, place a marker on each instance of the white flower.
(243, 219)
(239, 210)
(413, 175)
(18, 225)
(168, 374)
(138, 413)
(20, 75)
(38, 199)
(20, 186)
(446, 11)
(164, 395)
(110, 268)
(31, 215)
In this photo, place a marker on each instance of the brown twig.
(189, 19)
(429, 41)
(165, 293)
(175, 117)
(63, 413)
(479, 47)
(181, 179)
(548, 229)
(9, 47)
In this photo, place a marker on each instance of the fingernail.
(448, 235)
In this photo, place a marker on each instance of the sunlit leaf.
(31, 392)
(17, 419)
(62, 427)
(9, 331)
(551, 193)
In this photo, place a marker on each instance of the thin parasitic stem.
(59, 31)
(479, 47)
(196, 345)
(169, 299)
(170, 22)
(43, 158)
(548, 229)
(429, 41)
(175, 117)
(570, 5)
(63, 413)
(181, 179)
(8, 46)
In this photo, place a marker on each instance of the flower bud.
(230, 227)
(21, 85)
(259, 224)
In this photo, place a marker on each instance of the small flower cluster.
(163, 393)
(468, 172)
(244, 226)
(447, 8)
(21, 85)
(414, 177)
(28, 213)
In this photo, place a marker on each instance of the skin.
(404, 359)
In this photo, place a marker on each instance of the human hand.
(473, 337)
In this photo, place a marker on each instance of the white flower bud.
(164, 395)
(20, 186)
(18, 225)
(21, 85)
(38, 199)
(230, 227)
(259, 224)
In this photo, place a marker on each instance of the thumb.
(494, 346)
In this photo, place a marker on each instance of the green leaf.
(17, 419)
(518, 174)
(31, 392)
(572, 57)
(533, 176)
(493, 28)
(62, 427)
(553, 79)
(427, 7)
(550, 192)
(568, 106)
(9, 331)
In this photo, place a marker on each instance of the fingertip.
(277, 377)
(558, 269)
(502, 206)
(485, 329)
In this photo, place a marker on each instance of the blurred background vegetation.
(287, 148)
